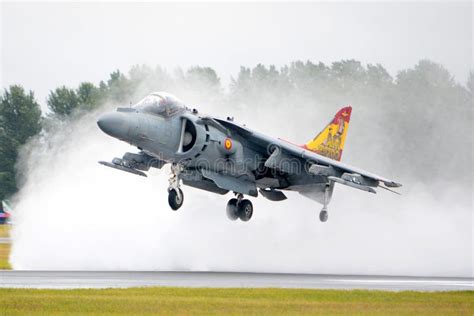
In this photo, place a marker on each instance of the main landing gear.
(236, 208)
(175, 194)
(323, 215)
(239, 208)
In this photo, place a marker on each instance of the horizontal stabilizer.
(126, 169)
(381, 186)
(352, 184)
(358, 179)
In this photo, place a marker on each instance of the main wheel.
(175, 200)
(245, 208)
(231, 210)
(323, 216)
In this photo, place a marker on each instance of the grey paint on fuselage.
(220, 155)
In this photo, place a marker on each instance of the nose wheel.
(239, 208)
(175, 198)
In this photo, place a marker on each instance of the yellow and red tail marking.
(330, 142)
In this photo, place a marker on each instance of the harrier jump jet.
(220, 155)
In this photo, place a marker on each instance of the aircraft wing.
(336, 171)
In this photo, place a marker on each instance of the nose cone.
(114, 124)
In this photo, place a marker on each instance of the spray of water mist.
(74, 214)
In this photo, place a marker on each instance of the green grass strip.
(205, 301)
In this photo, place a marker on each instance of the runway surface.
(86, 279)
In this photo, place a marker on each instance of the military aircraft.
(219, 155)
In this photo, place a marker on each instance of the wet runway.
(109, 279)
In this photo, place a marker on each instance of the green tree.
(378, 76)
(241, 87)
(8, 155)
(203, 78)
(470, 83)
(308, 77)
(20, 118)
(144, 79)
(119, 88)
(261, 84)
(436, 120)
(89, 96)
(63, 101)
(348, 75)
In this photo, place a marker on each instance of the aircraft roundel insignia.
(227, 144)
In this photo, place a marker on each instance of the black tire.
(323, 216)
(173, 199)
(231, 210)
(245, 208)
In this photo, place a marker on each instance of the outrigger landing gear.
(175, 194)
(239, 208)
(323, 215)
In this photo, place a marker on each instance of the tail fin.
(330, 141)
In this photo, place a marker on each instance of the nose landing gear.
(175, 194)
(239, 208)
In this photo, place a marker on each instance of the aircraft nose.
(113, 124)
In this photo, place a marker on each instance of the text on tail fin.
(330, 141)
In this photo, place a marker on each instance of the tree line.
(413, 96)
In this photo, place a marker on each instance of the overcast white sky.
(44, 45)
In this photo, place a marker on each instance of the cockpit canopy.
(161, 103)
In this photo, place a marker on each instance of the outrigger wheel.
(323, 215)
(175, 198)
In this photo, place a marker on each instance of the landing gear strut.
(175, 194)
(239, 208)
(323, 215)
